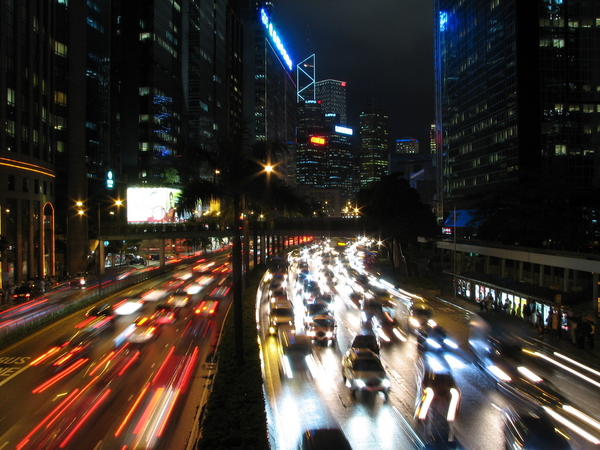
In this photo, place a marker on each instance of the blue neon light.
(443, 20)
(275, 38)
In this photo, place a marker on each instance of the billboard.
(156, 205)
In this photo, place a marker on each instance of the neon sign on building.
(266, 20)
(317, 140)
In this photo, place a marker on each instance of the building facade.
(374, 144)
(518, 91)
(332, 95)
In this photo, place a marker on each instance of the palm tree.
(238, 179)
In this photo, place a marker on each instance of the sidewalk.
(547, 342)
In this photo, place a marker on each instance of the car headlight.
(385, 383)
(360, 383)
(311, 333)
(329, 334)
(414, 322)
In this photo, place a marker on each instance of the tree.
(239, 179)
(396, 210)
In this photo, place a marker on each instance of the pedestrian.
(488, 302)
(591, 333)
(554, 324)
(527, 313)
(583, 330)
(539, 323)
(574, 325)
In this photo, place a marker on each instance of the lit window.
(10, 96)
(560, 149)
(144, 36)
(60, 49)
(60, 98)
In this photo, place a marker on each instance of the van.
(280, 313)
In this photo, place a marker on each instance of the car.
(105, 310)
(137, 260)
(23, 293)
(531, 429)
(421, 314)
(369, 307)
(314, 309)
(207, 307)
(278, 294)
(164, 314)
(79, 280)
(323, 439)
(433, 337)
(364, 374)
(179, 298)
(281, 312)
(322, 329)
(143, 331)
(366, 341)
(326, 299)
(438, 397)
(295, 352)
(75, 348)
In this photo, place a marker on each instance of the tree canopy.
(396, 209)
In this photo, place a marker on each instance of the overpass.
(328, 227)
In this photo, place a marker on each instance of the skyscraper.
(374, 144)
(407, 145)
(518, 94)
(269, 88)
(332, 95)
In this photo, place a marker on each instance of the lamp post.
(100, 252)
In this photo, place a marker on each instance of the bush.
(235, 416)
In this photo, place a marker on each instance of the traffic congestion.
(124, 372)
(346, 350)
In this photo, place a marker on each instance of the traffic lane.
(138, 376)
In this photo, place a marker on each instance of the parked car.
(23, 293)
(137, 260)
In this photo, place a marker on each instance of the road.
(316, 397)
(115, 394)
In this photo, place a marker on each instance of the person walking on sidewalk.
(590, 335)
(539, 323)
(583, 330)
(527, 314)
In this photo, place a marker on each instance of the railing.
(9, 329)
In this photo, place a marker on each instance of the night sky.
(383, 49)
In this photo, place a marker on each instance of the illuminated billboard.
(317, 140)
(147, 204)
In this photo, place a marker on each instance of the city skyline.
(384, 53)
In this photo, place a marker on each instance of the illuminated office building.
(269, 88)
(517, 93)
(407, 146)
(332, 95)
(55, 116)
(374, 144)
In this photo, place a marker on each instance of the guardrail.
(12, 329)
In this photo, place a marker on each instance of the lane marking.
(15, 374)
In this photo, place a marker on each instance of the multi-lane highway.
(317, 397)
(132, 377)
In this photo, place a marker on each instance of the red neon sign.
(317, 140)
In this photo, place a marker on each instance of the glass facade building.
(374, 144)
(517, 94)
